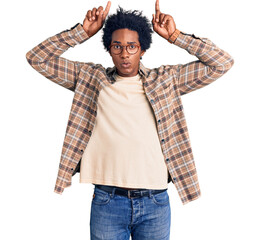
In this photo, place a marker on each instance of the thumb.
(154, 24)
(153, 20)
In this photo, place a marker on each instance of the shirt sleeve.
(213, 63)
(45, 57)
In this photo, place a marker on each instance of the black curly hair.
(132, 20)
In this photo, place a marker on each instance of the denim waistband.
(129, 193)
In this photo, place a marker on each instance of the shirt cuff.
(79, 33)
(75, 35)
(193, 44)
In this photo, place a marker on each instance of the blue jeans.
(116, 217)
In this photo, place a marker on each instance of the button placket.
(72, 169)
(159, 121)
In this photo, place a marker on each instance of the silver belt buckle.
(134, 193)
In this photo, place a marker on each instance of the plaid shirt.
(163, 87)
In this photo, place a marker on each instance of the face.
(127, 65)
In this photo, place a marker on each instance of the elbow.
(227, 65)
(29, 57)
(230, 63)
(223, 68)
(32, 59)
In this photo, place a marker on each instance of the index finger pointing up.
(107, 9)
(157, 11)
(157, 8)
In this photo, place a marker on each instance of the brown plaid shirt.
(163, 87)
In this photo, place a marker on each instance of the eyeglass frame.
(122, 46)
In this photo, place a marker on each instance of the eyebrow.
(120, 42)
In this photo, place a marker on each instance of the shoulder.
(92, 67)
(163, 71)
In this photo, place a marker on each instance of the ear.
(142, 52)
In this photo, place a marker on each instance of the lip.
(125, 64)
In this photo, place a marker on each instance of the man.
(126, 131)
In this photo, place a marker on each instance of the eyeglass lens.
(131, 49)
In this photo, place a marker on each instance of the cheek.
(114, 59)
(137, 58)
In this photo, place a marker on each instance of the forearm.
(213, 62)
(205, 50)
(45, 57)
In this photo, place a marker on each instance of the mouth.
(125, 64)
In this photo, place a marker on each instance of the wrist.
(173, 36)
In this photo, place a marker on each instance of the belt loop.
(150, 193)
(128, 193)
(113, 192)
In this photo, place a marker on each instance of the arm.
(212, 64)
(45, 57)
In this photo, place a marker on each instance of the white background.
(223, 121)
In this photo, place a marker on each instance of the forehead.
(125, 35)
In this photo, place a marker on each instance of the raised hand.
(95, 19)
(163, 24)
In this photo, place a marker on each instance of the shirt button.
(167, 159)
(81, 150)
(72, 169)
(162, 140)
(159, 120)
(152, 101)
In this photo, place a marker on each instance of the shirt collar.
(142, 70)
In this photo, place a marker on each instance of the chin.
(125, 73)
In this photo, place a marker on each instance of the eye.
(117, 46)
(132, 46)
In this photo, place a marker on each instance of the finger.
(89, 15)
(155, 24)
(153, 20)
(165, 19)
(161, 19)
(100, 17)
(157, 11)
(94, 13)
(99, 10)
(106, 10)
(157, 8)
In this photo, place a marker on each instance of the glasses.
(118, 49)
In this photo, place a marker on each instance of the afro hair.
(132, 20)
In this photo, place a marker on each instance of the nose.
(124, 53)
